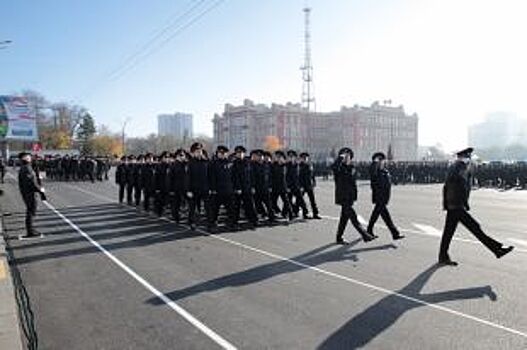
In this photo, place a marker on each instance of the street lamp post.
(123, 135)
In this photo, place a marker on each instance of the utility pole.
(308, 98)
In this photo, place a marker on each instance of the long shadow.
(315, 257)
(373, 321)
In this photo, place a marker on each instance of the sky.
(450, 61)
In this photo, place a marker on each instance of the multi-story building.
(178, 125)
(499, 129)
(365, 129)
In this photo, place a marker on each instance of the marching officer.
(198, 189)
(177, 183)
(381, 184)
(130, 166)
(120, 177)
(456, 192)
(221, 186)
(308, 182)
(29, 186)
(261, 181)
(345, 177)
(136, 173)
(293, 183)
(147, 180)
(279, 186)
(160, 182)
(243, 187)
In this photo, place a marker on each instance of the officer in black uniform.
(136, 173)
(243, 188)
(221, 186)
(29, 186)
(198, 180)
(279, 186)
(381, 184)
(261, 181)
(293, 183)
(456, 192)
(147, 180)
(308, 182)
(120, 177)
(130, 166)
(160, 183)
(344, 174)
(177, 183)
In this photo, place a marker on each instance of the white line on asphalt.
(185, 314)
(518, 241)
(357, 282)
(430, 231)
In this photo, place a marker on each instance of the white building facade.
(178, 125)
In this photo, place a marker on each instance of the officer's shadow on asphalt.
(373, 321)
(316, 257)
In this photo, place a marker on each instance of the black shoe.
(397, 237)
(317, 217)
(503, 251)
(447, 262)
(305, 217)
(342, 242)
(369, 238)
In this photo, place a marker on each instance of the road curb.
(10, 335)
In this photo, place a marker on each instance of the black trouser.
(299, 201)
(382, 210)
(2, 173)
(216, 201)
(31, 211)
(287, 211)
(129, 191)
(453, 217)
(137, 194)
(193, 204)
(121, 192)
(248, 207)
(147, 194)
(262, 202)
(348, 213)
(175, 205)
(160, 200)
(311, 195)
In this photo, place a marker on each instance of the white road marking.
(347, 279)
(428, 230)
(182, 312)
(362, 220)
(518, 241)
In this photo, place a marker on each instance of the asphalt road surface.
(109, 277)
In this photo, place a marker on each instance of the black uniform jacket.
(381, 185)
(456, 189)
(345, 182)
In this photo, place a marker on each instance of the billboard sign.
(17, 119)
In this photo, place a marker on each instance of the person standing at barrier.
(381, 187)
(28, 185)
(345, 177)
(456, 191)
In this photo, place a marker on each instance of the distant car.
(13, 161)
